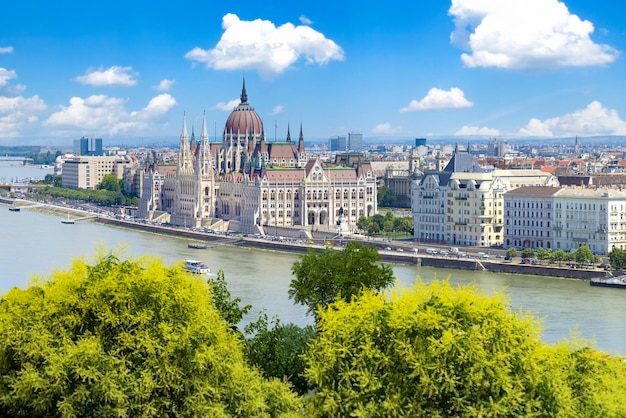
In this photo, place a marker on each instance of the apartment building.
(464, 203)
(566, 218)
(87, 172)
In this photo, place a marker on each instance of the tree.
(230, 308)
(434, 350)
(111, 183)
(511, 253)
(617, 257)
(528, 253)
(322, 278)
(126, 338)
(543, 253)
(386, 197)
(278, 351)
(558, 256)
(583, 254)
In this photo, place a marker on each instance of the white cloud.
(114, 76)
(17, 113)
(477, 130)
(305, 20)
(386, 129)
(439, 99)
(590, 121)
(6, 49)
(524, 34)
(260, 45)
(165, 85)
(5, 76)
(227, 106)
(100, 114)
(277, 109)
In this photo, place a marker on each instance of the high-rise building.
(337, 144)
(420, 142)
(355, 141)
(88, 146)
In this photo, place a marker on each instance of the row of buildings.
(470, 204)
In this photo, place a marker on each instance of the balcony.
(460, 197)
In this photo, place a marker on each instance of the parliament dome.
(243, 120)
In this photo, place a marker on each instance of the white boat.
(196, 267)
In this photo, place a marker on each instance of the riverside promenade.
(300, 246)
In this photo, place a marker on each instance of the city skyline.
(459, 69)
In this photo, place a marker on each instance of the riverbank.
(299, 246)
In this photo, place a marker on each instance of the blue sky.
(128, 71)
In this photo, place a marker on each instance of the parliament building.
(247, 184)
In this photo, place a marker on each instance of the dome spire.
(244, 95)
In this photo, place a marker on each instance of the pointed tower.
(302, 157)
(288, 133)
(185, 158)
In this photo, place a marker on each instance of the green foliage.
(111, 183)
(558, 256)
(511, 252)
(45, 157)
(435, 351)
(528, 253)
(230, 309)
(386, 197)
(388, 223)
(543, 253)
(99, 197)
(322, 278)
(583, 255)
(278, 351)
(617, 257)
(126, 338)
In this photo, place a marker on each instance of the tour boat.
(609, 281)
(196, 267)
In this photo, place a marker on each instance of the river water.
(34, 244)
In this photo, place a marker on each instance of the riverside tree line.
(116, 336)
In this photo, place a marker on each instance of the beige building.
(87, 172)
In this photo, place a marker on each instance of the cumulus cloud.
(277, 109)
(439, 99)
(593, 120)
(305, 20)
(477, 130)
(114, 76)
(6, 49)
(524, 34)
(164, 85)
(386, 129)
(227, 106)
(5, 76)
(16, 113)
(262, 46)
(100, 114)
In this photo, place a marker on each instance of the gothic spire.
(288, 133)
(184, 131)
(301, 140)
(244, 95)
(204, 134)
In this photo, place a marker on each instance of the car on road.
(414, 250)
(443, 252)
(431, 251)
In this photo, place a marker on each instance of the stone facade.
(247, 184)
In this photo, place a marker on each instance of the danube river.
(34, 244)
